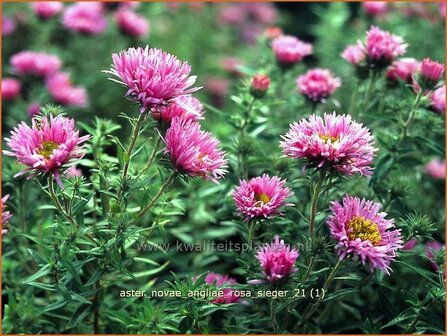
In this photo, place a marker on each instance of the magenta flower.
(194, 152)
(261, 197)
(362, 231)
(259, 85)
(132, 23)
(85, 18)
(35, 63)
(261, 12)
(6, 215)
(224, 281)
(277, 261)
(431, 248)
(64, 93)
(317, 84)
(232, 14)
(403, 70)
(33, 109)
(46, 146)
(354, 54)
(10, 88)
(436, 169)
(431, 71)
(375, 8)
(437, 100)
(73, 172)
(289, 50)
(47, 9)
(8, 25)
(153, 77)
(410, 245)
(382, 48)
(186, 107)
(334, 141)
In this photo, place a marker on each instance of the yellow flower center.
(47, 149)
(364, 229)
(262, 197)
(326, 138)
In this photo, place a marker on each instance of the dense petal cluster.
(333, 141)
(85, 18)
(289, 50)
(47, 145)
(47, 9)
(222, 281)
(277, 260)
(261, 197)
(64, 93)
(152, 76)
(437, 100)
(186, 107)
(317, 84)
(194, 152)
(354, 54)
(431, 70)
(436, 169)
(132, 23)
(6, 215)
(362, 231)
(10, 88)
(35, 63)
(403, 70)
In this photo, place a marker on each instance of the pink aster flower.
(364, 232)
(47, 9)
(403, 70)
(273, 32)
(261, 197)
(277, 261)
(64, 93)
(437, 100)
(8, 25)
(6, 215)
(354, 54)
(10, 88)
(410, 245)
(436, 169)
(152, 76)
(382, 48)
(35, 63)
(73, 172)
(33, 109)
(47, 145)
(334, 141)
(431, 71)
(224, 281)
(186, 107)
(85, 18)
(132, 23)
(194, 152)
(232, 14)
(317, 84)
(431, 248)
(375, 7)
(289, 50)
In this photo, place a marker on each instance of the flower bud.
(259, 85)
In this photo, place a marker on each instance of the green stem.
(353, 102)
(273, 316)
(57, 202)
(132, 144)
(242, 130)
(407, 123)
(168, 182)
(309, 268)
(316, 188)
(251, 231)
(152, 156)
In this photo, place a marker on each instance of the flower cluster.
(317, 84)
(289, 50)
(35, 63)
(85, 18)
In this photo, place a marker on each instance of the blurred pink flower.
(47, 145)
(441, 6)
(186, 107)
(73, 172)
(354, 54)
(437, 100)
(362, 231)
(152, 76)
(8, 25)
(47, 9)
(289, 50)
(277, 261)
(223, 282)
(250, 31)
(317, 84)
(64, 93)
(231, 65)
(35, 63)
(261, 197)
(33, 109)
(262, 12)
(194, 152)
(273, 32)
(218, 89)
(10, 88)
(403, 69)
(132, 23)
(334, 141)
(232, 14)
(259, 85)
(375, 7)
(411, 244)
(436, 169)
(6, 215)
(85, 18)
(431, 71)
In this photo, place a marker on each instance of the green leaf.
(42, 272)
(404, 316)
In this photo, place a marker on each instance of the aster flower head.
(6, 215)
(403, 69)
(335, 142)
(35, 63)
(8, 25)
(85, 18)
(436, 169)
(259, 85)
(194, 152)
(47, 145)
(277, 261)
(354, 54)
(64, 93)
(317, 84)
(224, 281)
(10, 88)
(153, 77)
(47, 9)
(33, 109)
(186, 107)
(289, 50)
(261, 197)
(363, 232)
(431, 73)
(437, 100)
(132, 23)
(375, 8)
